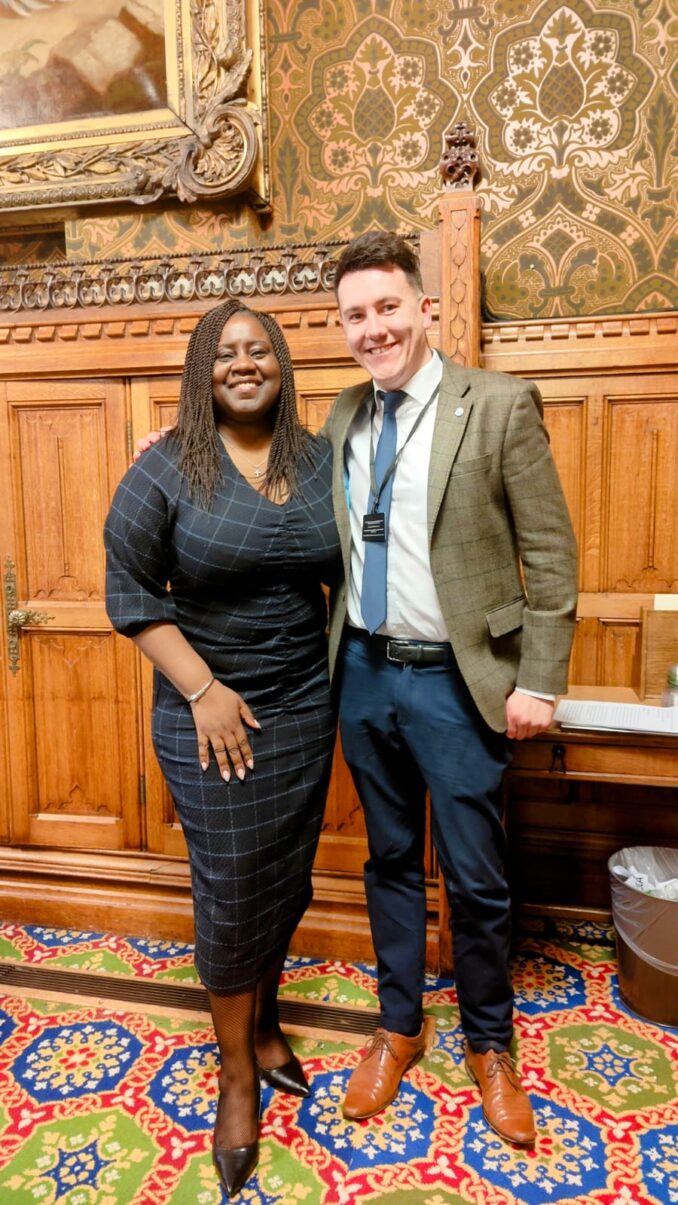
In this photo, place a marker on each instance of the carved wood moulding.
(556, 329)
(239, 273)
(460, 163)
(577, 332)
(596, 344)
(205, 139)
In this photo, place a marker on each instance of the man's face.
(385, 320)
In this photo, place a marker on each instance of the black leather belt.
(405, 652)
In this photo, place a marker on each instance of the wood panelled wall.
(88, 834)
(611, 393)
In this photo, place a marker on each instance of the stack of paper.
(617, 717)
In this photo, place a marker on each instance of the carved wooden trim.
(460, 277)
(460, 165)
(208, 279)
(559, 338)
(246, 273)
(598, 343)
(558, 330)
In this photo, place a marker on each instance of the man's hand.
(147, 441)
(526, 715)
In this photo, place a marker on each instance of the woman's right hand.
(219, 717)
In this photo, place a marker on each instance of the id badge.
(374, 527)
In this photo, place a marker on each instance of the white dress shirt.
(410, 613)
(413, 611)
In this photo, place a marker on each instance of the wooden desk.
(575, 798)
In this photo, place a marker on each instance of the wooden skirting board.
(146, 896)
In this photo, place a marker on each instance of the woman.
(233, 509)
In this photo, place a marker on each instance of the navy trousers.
(404, 729)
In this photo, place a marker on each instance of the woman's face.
(246, 375)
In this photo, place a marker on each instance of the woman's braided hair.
(196, 432)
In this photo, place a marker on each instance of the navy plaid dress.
(246, 592)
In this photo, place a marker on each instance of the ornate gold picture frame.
(209, 140)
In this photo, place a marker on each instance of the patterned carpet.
(114, 1105)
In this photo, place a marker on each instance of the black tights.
(248, 1033)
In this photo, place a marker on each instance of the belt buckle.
(389, 657)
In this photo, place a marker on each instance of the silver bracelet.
(199, 693)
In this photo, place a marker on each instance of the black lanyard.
(377, 491)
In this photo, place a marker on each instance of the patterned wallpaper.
(574, 106)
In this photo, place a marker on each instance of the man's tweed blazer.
(502, 549)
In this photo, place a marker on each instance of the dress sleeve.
(138, 549)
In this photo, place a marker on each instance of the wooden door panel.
(584, 667)
(73, 761)
(619, 651)
(318, 388)
(640, 539)
(60, 450)
(80, 780)
(154, 402)
(619, 471)
(565, 418)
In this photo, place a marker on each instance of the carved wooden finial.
(460, 166)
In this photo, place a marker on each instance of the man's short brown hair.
(379, 249)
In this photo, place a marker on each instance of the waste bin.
(647, 934)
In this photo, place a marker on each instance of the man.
(450, 637)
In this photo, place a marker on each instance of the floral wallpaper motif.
(564, 115)
(373, 122)
(574, 105)
(566, 90)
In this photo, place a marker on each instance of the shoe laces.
(380, 1041)
(503, 1064)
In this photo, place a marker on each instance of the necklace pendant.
(257, 472)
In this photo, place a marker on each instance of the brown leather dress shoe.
(506, 1106)
(376, 1079)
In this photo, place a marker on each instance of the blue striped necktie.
(373, 596)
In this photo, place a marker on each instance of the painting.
(63, 60)
(130, 100)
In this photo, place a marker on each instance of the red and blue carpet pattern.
(114, 1106)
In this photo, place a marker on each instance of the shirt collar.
(423, 383)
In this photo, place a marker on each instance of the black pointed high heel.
(288, 1078)
(235, 1164)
